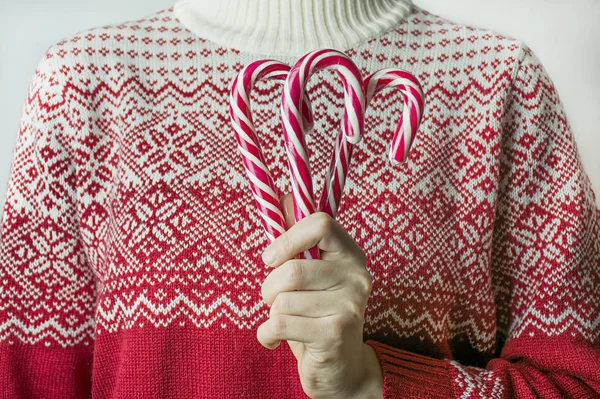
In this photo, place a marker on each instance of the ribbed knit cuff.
(408, 375)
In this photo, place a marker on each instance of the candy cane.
(261, 182)
(408, 125)
(414, 106)
(297, 151)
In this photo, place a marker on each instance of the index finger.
(317, 229)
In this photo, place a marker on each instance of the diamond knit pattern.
(130, 244)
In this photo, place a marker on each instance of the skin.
(318, 307)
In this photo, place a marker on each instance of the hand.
(318, 307)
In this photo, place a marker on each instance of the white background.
(564, 34)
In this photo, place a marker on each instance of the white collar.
(290, 27)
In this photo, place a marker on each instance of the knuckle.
(368, 281)
(362, 256)
(286, 245)
(296, 271)
(364, 281)
(333, 335)
(321, 357)
(335, 328)
(281, 304)
(356, 314)
(336, 349)
(263, 292)
(325, 222)
(279, 326)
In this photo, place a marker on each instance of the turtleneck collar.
(290, 27)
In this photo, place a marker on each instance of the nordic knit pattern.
(130, 244)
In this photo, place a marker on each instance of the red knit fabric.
(130, 245)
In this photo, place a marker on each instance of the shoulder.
(449, 44)
(483, 53)
(89, 69)
(105, 52)
(460, 37)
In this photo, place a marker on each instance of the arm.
(545, 267)
(47, 289)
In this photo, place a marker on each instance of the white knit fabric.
(290, 27)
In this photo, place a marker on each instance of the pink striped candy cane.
(261, 182)
(291, 115)
(408, 125)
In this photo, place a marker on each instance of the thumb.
(287, 206)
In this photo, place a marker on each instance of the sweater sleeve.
(47, 289)
(545, 267)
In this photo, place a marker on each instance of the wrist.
(372, 386)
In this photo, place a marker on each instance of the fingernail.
(269, 255)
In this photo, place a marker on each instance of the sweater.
(130, 243)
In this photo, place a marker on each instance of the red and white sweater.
(130, 243)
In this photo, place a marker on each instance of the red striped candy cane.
(414, 103)
(291, 115)
(414, 106)
(261, 182)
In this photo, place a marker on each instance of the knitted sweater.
(130, 243)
